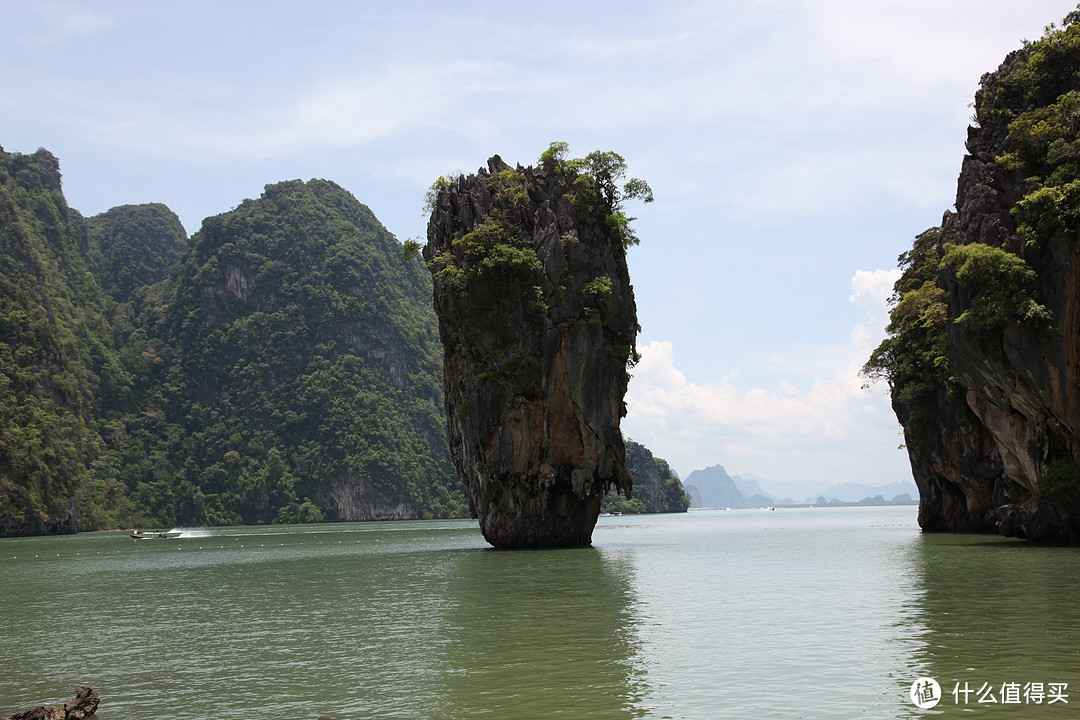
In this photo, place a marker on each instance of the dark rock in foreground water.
(83, 705)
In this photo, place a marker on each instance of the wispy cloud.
(747, 82)
(336, 113)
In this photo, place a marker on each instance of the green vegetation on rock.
(1043, 131)
(283, 366)
(912, 357)
(981, 348)
(133, 246)
(59, 368)
(596, 184)
(1040, 103)
(1001, 286)
(307, 370)
(1061, 484)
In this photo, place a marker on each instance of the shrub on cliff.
(1002, 288)
(597, 179)
(912, 357)
(1061, 484)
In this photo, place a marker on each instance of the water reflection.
(992, 611)
(802, 614)
(540, 634)
(371, 621)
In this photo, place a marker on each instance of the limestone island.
(538, 325)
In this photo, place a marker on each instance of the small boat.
(154, 534)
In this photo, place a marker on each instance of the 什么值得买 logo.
(925, 693)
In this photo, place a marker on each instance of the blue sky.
(795, 149)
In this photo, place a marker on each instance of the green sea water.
(793, 613)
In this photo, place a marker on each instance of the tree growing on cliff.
(912, 357)
(1002, 288)
(601, 171)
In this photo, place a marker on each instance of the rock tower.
(538, 324)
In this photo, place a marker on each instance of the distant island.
(713, 487)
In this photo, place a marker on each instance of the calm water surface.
(807, 613)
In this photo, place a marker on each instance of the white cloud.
(871, 292)
(835, 104)
(833, 430)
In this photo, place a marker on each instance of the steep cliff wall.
(538, 323)
(58, 362)
(300, 330)
(985, 335)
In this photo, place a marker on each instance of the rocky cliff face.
(58, 364)
(300, 328)
(995, 446)
(538, 323)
